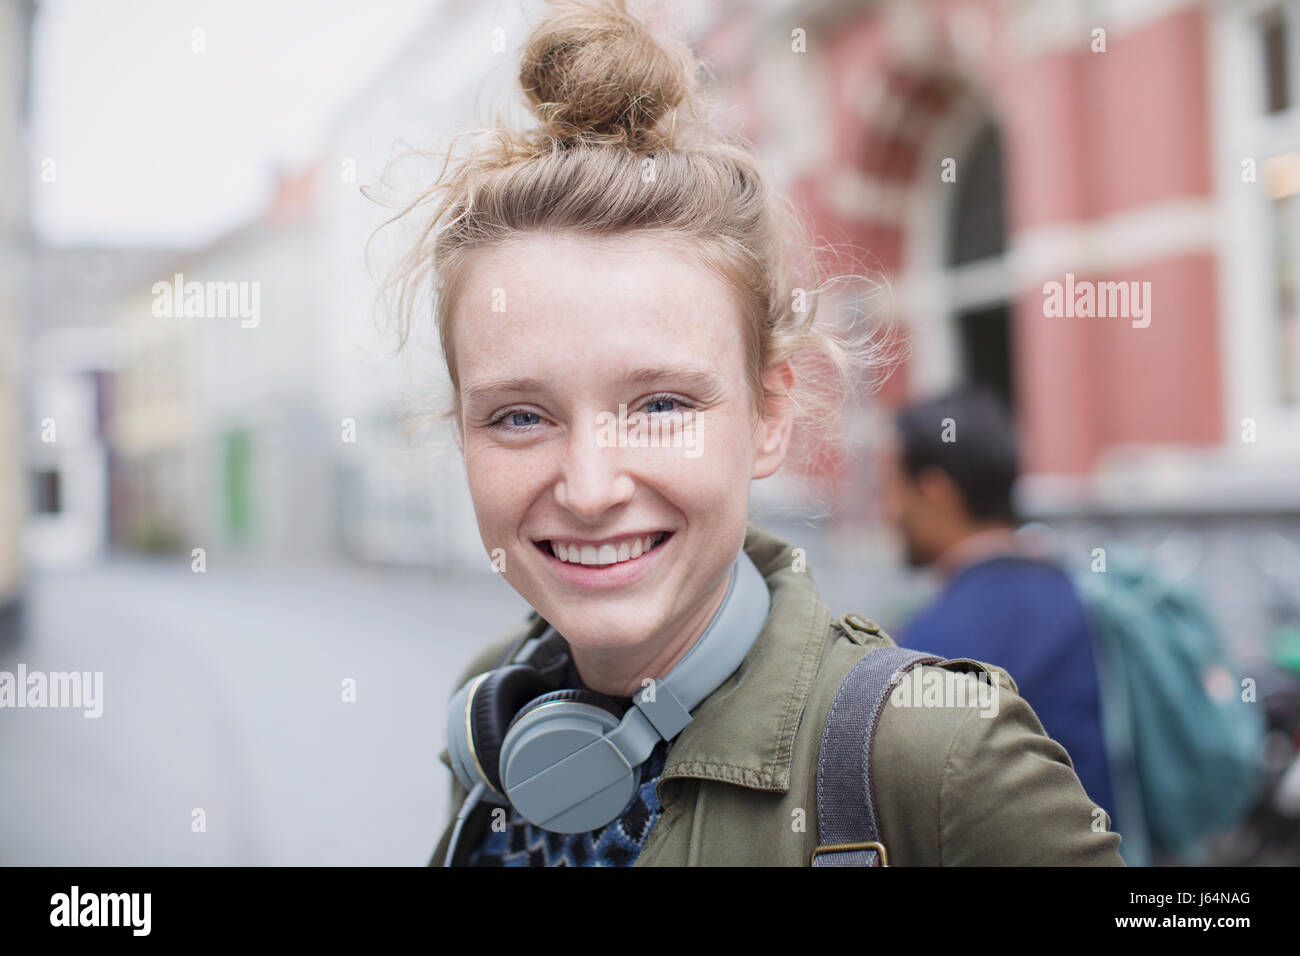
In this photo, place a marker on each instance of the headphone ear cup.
(496, 701)
(576, 695)
(595, 784)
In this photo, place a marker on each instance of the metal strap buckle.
(842, 847)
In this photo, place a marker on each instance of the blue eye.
(517, 419)
(657, 405)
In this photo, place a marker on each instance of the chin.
(591, 630)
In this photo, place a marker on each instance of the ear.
(776, 425)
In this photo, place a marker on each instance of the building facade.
(1089, 207)
(15, 40)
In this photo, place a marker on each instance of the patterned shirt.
(617, 843)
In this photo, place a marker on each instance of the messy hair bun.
(621, 147)
(596, 74)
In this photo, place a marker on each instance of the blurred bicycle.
(1270, 835)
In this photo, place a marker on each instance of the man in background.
(948, 474)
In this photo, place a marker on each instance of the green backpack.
(1185, 749)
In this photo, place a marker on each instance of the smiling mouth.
(607, 554)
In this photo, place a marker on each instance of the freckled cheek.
(501, 486)
(713, 482)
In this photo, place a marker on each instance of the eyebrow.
(695, 379)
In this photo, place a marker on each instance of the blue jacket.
(1025, 616)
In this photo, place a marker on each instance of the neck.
(621, 671)
(979, 542)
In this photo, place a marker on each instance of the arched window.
(974, 253)
(977, 229)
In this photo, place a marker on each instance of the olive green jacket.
(953, 787)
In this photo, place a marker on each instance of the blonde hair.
(621, 147)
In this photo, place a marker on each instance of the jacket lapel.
(743, 733)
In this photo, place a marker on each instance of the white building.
(15, 32)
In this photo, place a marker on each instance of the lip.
(591, 578)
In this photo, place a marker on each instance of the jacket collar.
(743, 733)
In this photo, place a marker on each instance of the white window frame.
(1242, 128)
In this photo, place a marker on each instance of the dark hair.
(981, 456)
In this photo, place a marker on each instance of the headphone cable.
(466, 809)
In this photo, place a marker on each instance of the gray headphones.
(569, 760)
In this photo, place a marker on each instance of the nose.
(592, 477)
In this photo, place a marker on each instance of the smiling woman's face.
(552, 333)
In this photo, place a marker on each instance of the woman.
(627, 351)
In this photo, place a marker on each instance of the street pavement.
(223, 692)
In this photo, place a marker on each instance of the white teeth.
(606, 554)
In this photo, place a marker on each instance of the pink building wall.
(1086, 136)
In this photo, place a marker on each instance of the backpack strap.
(848, 829)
